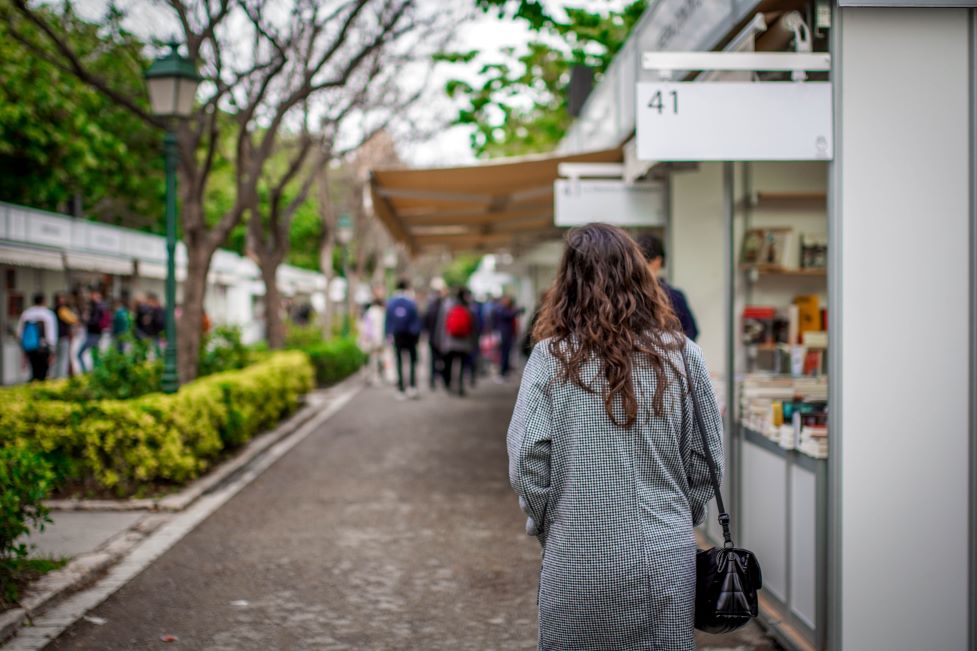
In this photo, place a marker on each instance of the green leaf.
(520, 104)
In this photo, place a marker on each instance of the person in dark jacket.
(504, 319)
(403, 325)
(432, 318)
(150, 320)
(95, 324)
(654, 251)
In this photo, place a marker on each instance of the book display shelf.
(782, 441)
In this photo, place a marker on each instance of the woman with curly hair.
(605, 455)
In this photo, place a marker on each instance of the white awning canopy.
(34, 257)
(486, 206)
(100, 264)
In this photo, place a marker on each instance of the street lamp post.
(344, 233)
(172, 81)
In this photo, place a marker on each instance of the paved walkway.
(392, 527)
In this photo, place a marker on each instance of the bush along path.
(150, 452)
(143, 535)
(153, 442)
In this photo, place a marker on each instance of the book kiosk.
(769, 205)
(787, 201)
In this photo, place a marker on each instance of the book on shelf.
(815, 339)
(814, 250)
(758, 324)
(809, 312)
(766, 247)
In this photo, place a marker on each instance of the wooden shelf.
(788, 199)
(785, 347)
(777, 270)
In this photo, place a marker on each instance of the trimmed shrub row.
(127, 446)
(335, 360)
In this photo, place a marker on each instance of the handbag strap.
(713, 475)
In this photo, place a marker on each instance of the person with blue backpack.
(37, 331)
(403, 325)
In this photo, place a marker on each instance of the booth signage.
(579, 201)
(730, 121)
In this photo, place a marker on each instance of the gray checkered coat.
(614, 509)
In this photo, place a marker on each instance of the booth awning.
(28, 256)
(99, 264)
(486, 206)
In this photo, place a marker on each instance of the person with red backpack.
(459, 338)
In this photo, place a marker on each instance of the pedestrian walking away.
(505, 318)
(403, 325)
(458, 338)
(121, 323)
(150, 320)
(372, 337)
(654, 252)
(37, 332)
(97, 321)
(432, 321)
(67, 320)
(605, 455)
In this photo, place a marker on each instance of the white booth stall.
(821, 221)
(47, 252)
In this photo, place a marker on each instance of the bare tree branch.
(72, 62)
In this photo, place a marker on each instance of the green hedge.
(25, 479)
(128, 446)
(335, 360)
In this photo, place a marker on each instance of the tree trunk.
(274, 325)
(325, 265)
(190, 324)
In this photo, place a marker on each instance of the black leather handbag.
(727, 578)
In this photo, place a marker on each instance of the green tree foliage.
(59, 138)
(519, 105)
(460, 269)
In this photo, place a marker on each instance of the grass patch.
(22, 572)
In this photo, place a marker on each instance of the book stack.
(791, 412)
(814, 441)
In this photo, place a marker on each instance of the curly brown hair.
(605, 304)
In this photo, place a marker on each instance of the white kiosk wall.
(902, 212)
(696, 262)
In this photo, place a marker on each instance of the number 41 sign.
(731, 121)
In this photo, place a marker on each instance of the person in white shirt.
(372, 339)
(37, 332)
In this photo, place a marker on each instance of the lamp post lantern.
(344, 233)
(172, 80)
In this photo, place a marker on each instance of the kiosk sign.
(581, 201)
(731, 121)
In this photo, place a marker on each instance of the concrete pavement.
(390, 527)
(72, 533)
